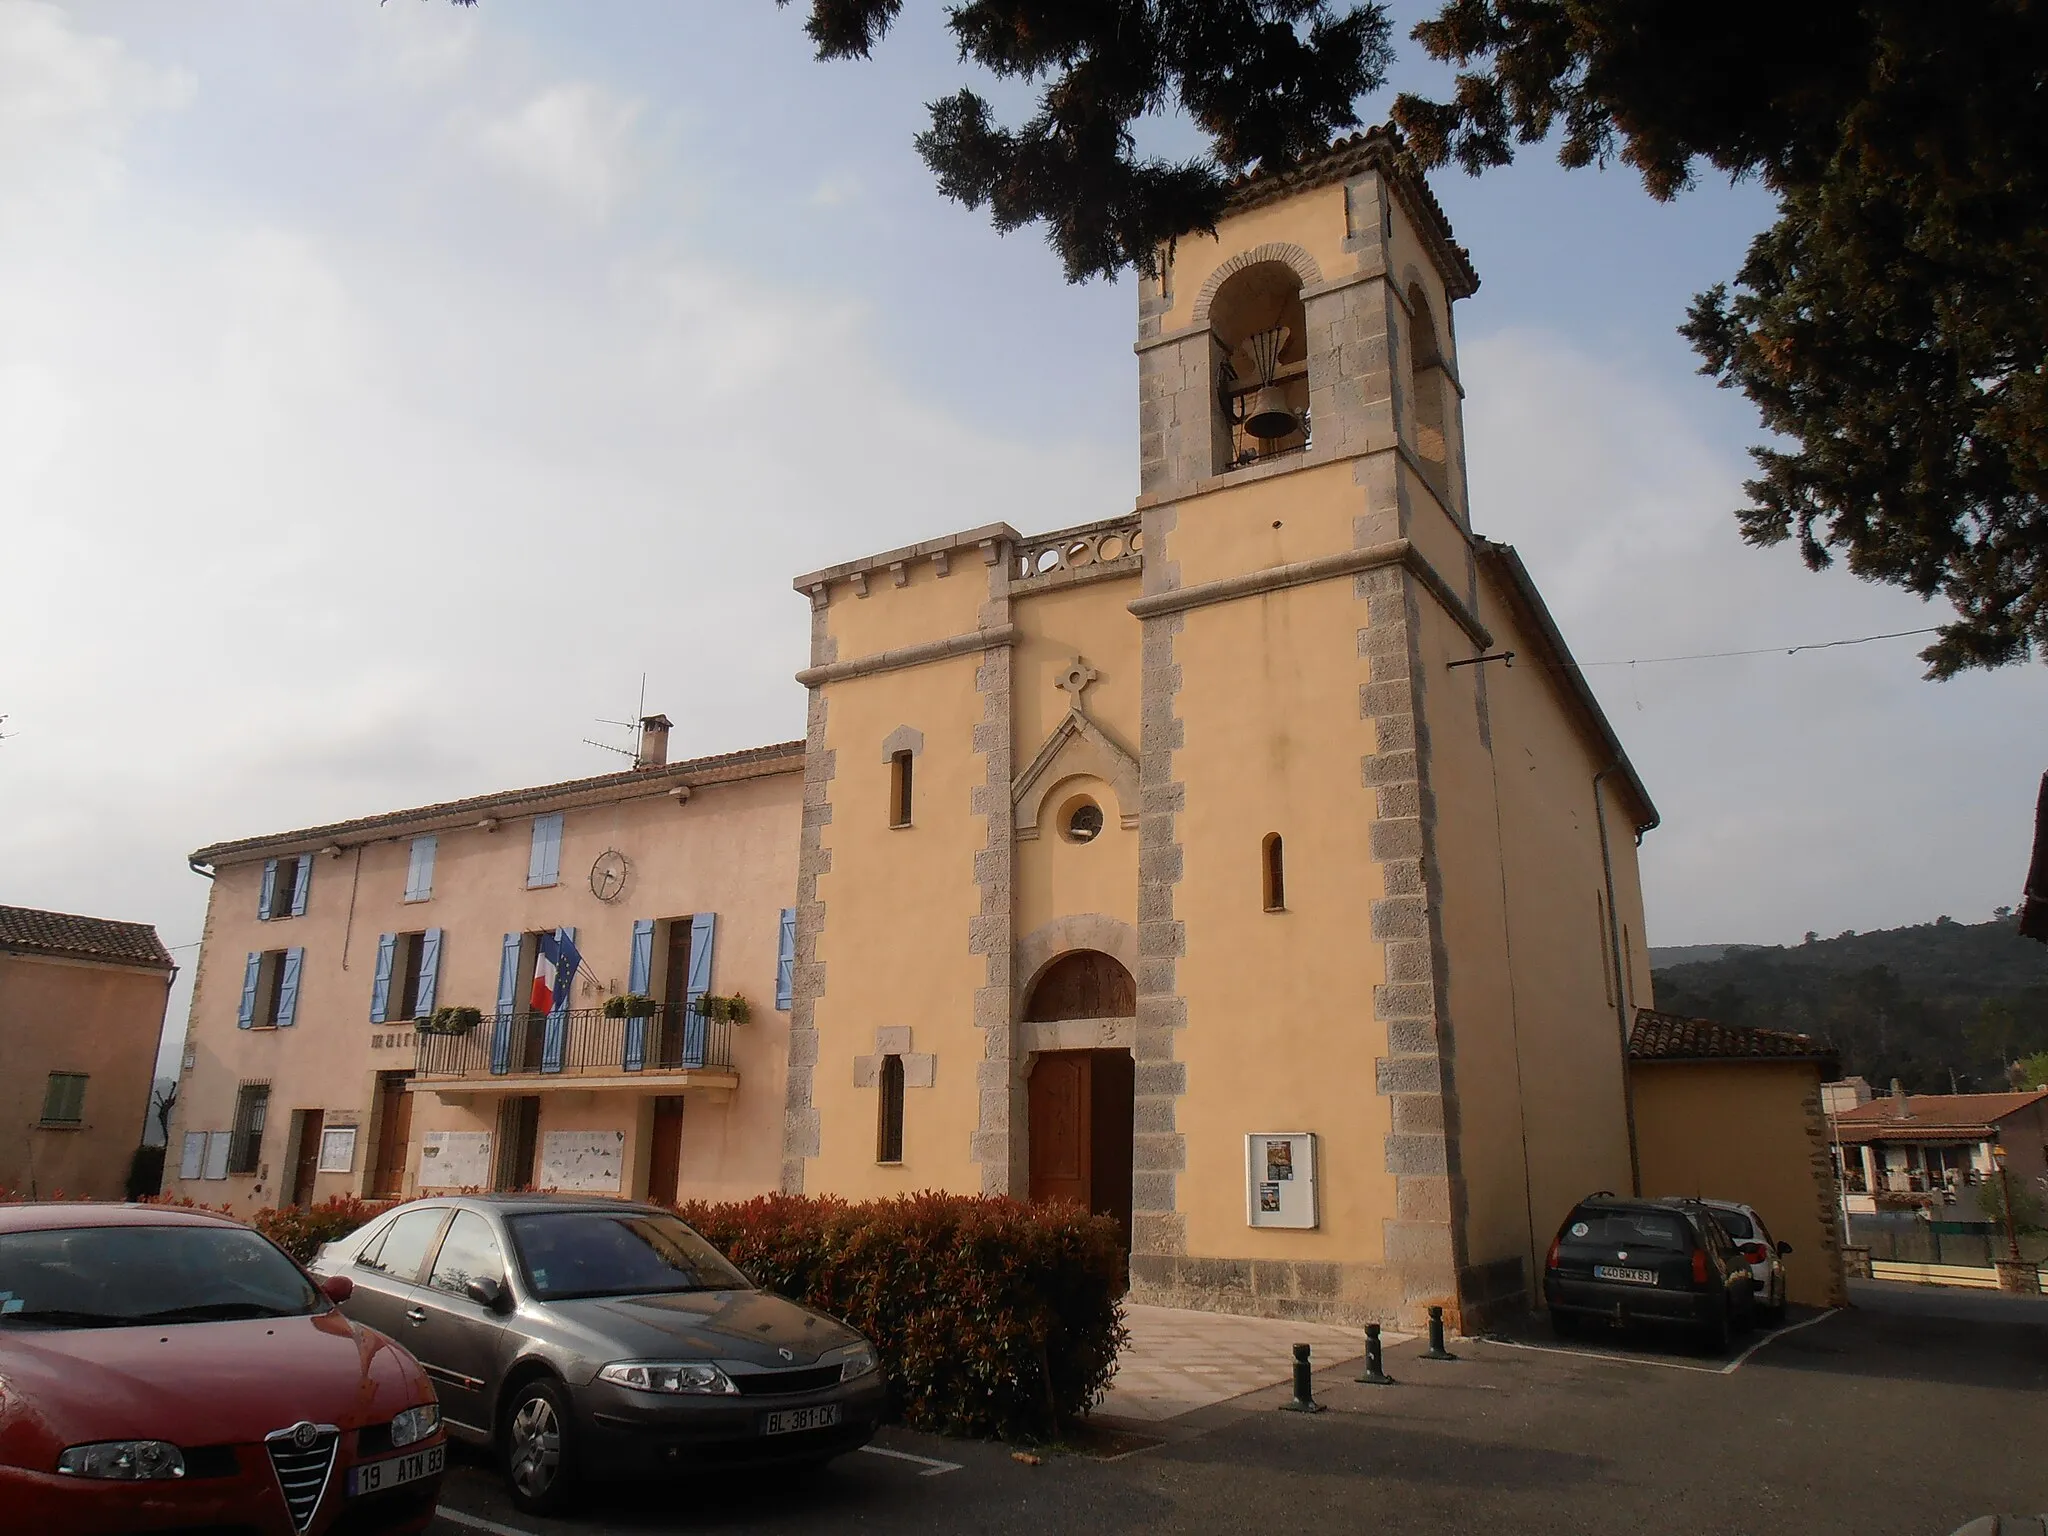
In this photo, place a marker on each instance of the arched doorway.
(1080, 1101)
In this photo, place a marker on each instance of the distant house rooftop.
(29, 931)
(1933, 1116)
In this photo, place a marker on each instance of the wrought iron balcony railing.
(579, 1042)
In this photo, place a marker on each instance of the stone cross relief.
(1074, 679)
(919, 1071)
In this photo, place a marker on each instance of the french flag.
(554, 971)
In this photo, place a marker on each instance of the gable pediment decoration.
(1077, 745)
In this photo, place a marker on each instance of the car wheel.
(1564, 1324)
(534, 1449)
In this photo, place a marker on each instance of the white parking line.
(935, 1468)
(1671, 1365)
(479, 1523)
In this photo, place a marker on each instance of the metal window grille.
(252, 1107)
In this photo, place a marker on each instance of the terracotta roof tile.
(1671, 1037)
(1930, 1113)
(81, 938)
(784, 756)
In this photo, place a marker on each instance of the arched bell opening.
(1429, 385)
(1260, 332)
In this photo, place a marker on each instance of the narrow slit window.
(1628, 958)
(1273, 868)
(889, 1132)
(899, 789)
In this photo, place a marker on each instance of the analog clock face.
(608, 875)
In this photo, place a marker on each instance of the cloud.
(837, 191)
(67, 102)
(574, 141)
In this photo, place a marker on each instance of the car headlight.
(665, 1376)
(126, 1460)
(860, 1361)
(415, 1424)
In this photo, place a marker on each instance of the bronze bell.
(1271, 416)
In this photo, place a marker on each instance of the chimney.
(1899, 1100)
(653, 752)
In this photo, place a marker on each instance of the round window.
(1083, 821)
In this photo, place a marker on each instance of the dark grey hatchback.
(588, 1337)
(1652, 1261)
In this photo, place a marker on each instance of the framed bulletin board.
(1280, 1179)
(338, 1149)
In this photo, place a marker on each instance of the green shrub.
(991, 1317)
(300, 1230)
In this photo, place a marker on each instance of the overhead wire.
(1765, 650)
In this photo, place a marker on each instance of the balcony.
(674, 1051)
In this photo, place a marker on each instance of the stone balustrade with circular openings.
(1118, 543)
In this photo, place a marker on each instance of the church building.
(1256, 867)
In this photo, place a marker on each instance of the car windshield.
(1735, 1224)
(1630, 1229)
(567, 1254)
(134, 1276)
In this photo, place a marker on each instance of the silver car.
(591, 1338)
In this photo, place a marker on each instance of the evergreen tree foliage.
(1269, 81)
(1892, 325)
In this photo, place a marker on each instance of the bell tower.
(1306, 542)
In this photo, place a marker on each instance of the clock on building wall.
(608, 875)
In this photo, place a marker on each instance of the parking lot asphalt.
(1906, 1415)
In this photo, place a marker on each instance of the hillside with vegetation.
(1941, 1006)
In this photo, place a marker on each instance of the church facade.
(1256, 868)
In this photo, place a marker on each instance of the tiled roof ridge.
(76, 935)
(1659, 1036)
(1943, 1109)
(504, 798)
(1383, 148)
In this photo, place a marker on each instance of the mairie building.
(1254, 867)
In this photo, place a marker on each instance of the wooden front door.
(306, 1157)
(394, 1135)
(1061, 1127)
(665, 1149)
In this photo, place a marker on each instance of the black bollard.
(1304, 1396)
(1436, 1350)
(1375, 1364)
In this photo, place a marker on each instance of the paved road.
(1904, 1417)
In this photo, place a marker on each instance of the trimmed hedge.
(991, 1317)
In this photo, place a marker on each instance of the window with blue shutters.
(639, 980)
(428, 978)
(407, 976)
(419, 869)
(270, 989)
(252, 977)
(703, 930)
(286, 884)
(508, 1001)
(785, 960)
(294, 962)
(544, 863)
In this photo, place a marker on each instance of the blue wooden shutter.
(785, 960)
(419, 869)
(380, 985)
(288, 988)
(302, 882)
(544, 860)
(703, 930)
(430, 970)
(555, 1039)
(639, 972)
(508, 987)
(250, 976)
(266, 899)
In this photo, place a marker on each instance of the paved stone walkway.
(1179, 1361)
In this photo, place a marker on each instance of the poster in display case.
(1280, 1179)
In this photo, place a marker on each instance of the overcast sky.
(384, 389)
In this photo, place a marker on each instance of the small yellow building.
(1257, 867)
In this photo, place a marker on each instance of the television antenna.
(632, 725)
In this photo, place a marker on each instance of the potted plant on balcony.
(631, 1005)
(724, 1010)
(449, 1021)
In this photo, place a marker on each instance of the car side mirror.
(337, 1288)
(1784, 1248)
(489, 1292)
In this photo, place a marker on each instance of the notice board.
(456, 1160)
(583, 1160)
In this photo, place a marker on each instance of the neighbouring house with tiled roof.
(1935, 1149)
(1733, 1112)
(81, 1012)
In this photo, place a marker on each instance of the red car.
(166, 1369)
